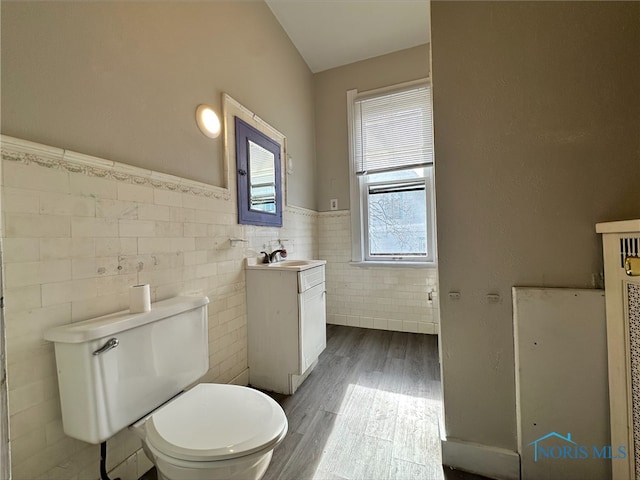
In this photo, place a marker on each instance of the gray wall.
(537, 138)
(121, 80)
(332, 148)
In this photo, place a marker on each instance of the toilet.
(133, 369)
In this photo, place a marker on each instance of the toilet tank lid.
(113, 323)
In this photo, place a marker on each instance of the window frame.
(360, 252)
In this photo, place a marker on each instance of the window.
(390, 132)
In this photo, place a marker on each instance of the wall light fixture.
(208, 121)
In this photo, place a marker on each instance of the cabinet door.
(313, 329)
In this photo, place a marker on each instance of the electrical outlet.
(334, 204)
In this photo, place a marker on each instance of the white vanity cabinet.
(286, 323)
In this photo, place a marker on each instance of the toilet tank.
(115, 369)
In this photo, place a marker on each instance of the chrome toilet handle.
(111, 343)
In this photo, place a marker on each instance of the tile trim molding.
(31, 153)
(335, 213)
(305, 212)
(492, 462)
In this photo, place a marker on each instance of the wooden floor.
(369, 411)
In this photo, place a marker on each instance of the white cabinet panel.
(313, 324)
(562, 402)
(310, 278)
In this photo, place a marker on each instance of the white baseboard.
(391, 325)
(492, 462)
(429, 328)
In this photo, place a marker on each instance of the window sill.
(431, 265)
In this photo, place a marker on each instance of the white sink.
(292, 263)
(297, 265)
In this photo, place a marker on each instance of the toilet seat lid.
(216, 422)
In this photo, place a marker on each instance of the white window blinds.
(393, 130)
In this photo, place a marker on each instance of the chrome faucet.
(273, 257)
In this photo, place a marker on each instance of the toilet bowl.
(213, 432)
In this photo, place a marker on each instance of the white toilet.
(128, 369)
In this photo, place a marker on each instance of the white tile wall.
(387, 298)
(73, 242)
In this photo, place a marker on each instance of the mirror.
(262, 179)
(259, 181)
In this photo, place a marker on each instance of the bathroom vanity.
(286, 309)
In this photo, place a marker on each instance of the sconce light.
(208, 121)
(289, 165)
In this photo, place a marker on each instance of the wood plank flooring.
(369, 411)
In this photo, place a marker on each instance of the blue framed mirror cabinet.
(258, 168)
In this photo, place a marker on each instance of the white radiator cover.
(621, 239)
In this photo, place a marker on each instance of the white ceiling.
(331, 33)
